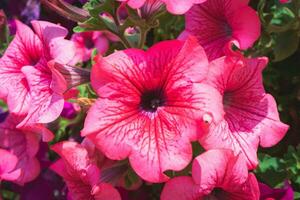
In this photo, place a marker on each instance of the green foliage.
(274, 170)
(281, 29)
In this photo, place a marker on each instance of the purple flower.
(31, 11)
(284, 193)
(69, 111)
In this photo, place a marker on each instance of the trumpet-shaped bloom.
(250, 114)
(33, 74)
(216, 174)
(149, 106)
(81, 175)
(177, 7)
(216, 22)
(23, 145)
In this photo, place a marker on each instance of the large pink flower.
(149, 106)
(33, 77)
(81, 175)
(8, 163)
(216, 174)
(250, 114)
(24, 145)
(173, 6)
(216, 22)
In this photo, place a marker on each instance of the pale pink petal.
(53, 36)
(219, 168)
(178, 6)
(136, 3)
(24, 145)
(46, 105)
(25, 49)
(8, 163)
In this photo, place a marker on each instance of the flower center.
(152, 99)
(88, 43)
(227, 99)
(216, 194)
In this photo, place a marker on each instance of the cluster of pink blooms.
(152, 105)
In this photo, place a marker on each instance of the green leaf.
(286, 44)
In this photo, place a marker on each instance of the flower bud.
(133, 36)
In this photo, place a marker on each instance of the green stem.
(144, 33)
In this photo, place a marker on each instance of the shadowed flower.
(81, 175)
(177, 7)
(85, 42)
(250, 114)
(8, 163)
(24, 145)
(149, 106)
(31, 11)
(285, 193)
(216, 22)
(34, 74)
(216, 175)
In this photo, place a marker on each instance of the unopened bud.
(133, 36)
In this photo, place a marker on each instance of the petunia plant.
(149, 99)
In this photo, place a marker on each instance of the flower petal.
(225, 170)
(52, 36)
(180, 188)
(46, 105)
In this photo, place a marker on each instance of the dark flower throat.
(152, 99)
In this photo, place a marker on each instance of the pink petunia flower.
(177, 7)
(8, 163)
(81, 175)
(149, 106)
(216, 22)
(250, 115)
(85, 42)
(34, 74)
(285, 193)
(216, 174)
(22, 144)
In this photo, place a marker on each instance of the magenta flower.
(285, 193)
(22, 144)
(85, 42)
(177, 7)
(8, 163)
(69, 111)
(216, 174)
(216, 22)
(33, 74)
(284, 1)
(81, 175)
(250, 115)
(149, 106)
